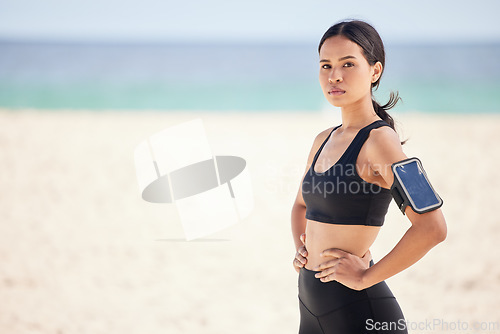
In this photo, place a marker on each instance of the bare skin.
(341, 252)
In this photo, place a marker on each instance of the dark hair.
(370, 42)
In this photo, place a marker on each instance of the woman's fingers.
(297, 264)
(302, 251)
(326, 275)
(326, 265)
(335, 252)
(327, 271)
(300, 258)
(301, 255)
(346, 269)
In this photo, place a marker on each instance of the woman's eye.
(326, 67)
(349, 64)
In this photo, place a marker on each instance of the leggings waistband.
(321, 298)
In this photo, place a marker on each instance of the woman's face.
(345, 75)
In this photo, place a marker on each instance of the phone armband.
(412, 187)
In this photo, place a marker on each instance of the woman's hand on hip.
(345, 268)
(301, 254)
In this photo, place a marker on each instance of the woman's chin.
(337, 104)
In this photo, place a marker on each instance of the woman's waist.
(354, 239)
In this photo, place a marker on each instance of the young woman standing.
(345, 194)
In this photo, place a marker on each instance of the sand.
(81, 252)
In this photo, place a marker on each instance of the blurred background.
(83, 82)
(234, 56)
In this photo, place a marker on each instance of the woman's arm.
(298, 217)
(426, 231)
(298, 223)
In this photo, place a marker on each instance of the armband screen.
(412, 187)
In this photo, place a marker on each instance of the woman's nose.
(335, 77)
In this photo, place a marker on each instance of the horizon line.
(220, 42)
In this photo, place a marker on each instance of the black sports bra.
(339, 195)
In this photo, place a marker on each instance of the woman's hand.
(301, 255)
(345, 268)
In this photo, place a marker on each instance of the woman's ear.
(377, 71)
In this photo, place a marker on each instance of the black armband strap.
(412, 187)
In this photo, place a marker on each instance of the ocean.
(234, 77)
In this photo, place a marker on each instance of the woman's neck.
(358, 115)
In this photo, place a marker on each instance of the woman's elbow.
(431, 224)
(439, 230)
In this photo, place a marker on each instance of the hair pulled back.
(364, 35)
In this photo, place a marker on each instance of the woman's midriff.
(354, 239)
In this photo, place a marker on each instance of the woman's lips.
(336, 91)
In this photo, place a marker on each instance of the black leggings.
(331, 308)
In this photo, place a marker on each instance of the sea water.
(234, 77)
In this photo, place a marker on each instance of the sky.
(245, 21)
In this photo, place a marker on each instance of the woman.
(344, 196)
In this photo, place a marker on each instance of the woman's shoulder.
(322, 136)
(384, 135)
(384, 144)
(318, 141)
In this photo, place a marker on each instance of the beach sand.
(81, 252)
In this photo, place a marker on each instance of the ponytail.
(382, 110)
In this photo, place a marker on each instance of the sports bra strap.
(360, 138)
(321, 147)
